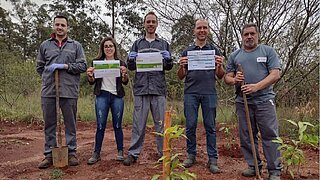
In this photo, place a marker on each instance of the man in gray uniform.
(261, 69)
(60, 53)
(149, 88)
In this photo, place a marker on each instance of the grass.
(28, 109)
(56, 174)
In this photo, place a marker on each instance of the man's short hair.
(61, 16)
(249, 25)
(150, 13)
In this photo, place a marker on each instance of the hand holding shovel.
(249, 126)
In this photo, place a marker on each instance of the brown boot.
(45, 163)
(73, 161)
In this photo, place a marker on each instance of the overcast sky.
(7, 4)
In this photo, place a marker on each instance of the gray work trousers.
(142, 104)
(263, 117)
(68, 108)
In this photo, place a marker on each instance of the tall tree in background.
(292, 27)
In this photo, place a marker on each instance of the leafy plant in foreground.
(177, 170)
(56, 174)
(291, 153)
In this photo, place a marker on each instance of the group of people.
(261, 68)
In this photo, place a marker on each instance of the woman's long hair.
(101, 54)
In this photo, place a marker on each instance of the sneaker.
(45, 163)
(94, 158)
(73, 161)
(120, 156)
(213, 166)
(274, 177)
(130, 160)
(190, 161)
(250, 172)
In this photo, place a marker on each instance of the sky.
(6, 4)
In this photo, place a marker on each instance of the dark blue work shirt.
(201, 82)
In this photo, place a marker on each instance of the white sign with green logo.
(106, 68)
(149, 62)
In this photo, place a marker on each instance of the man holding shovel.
(62, 54)
(261, 69)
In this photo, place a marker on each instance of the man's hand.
(55, 66)
(165, 54)
(132, 55)
(219, 61)
(183, 61)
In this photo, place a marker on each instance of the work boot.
(120, 156)
(73, 161)
(274, 177)
(190, 161)
(45, 163)
(250, 172)
(94, 158)
(213, 166)
(274, 174)
(130, 160)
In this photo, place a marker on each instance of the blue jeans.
(105, 101)
(191, 108)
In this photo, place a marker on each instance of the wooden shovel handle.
(246, 108)
(56, 79)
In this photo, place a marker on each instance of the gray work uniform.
(149, 91)
(71, 53)
(256, 66)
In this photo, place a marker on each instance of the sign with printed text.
(201, 60)
(106, 68)
(149, 62)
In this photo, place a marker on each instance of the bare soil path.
(21, 147)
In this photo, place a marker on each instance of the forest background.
(291, 27)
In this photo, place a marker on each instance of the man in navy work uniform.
(149, 88)
(60, 53)
(200, 88)
(261, 69)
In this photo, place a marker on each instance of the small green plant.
(177, 170)
(291, 153)
(56, 174)
(231, 140)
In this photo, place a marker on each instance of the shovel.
(246, 108)
(59, 153)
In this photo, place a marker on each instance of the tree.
(292, 27)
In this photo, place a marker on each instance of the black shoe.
(129, 160)
(94, 158)
(190, 161)
(45, 163)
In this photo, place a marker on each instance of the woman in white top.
(109, 94)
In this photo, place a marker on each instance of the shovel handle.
(253, 149)
(56, 79)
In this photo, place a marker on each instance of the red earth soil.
(21, 147)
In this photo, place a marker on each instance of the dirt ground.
(21, 147)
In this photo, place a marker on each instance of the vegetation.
(173, 161)
(289, 26)
(292, 153)
(56, 174)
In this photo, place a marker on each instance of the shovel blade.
(60, 156)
